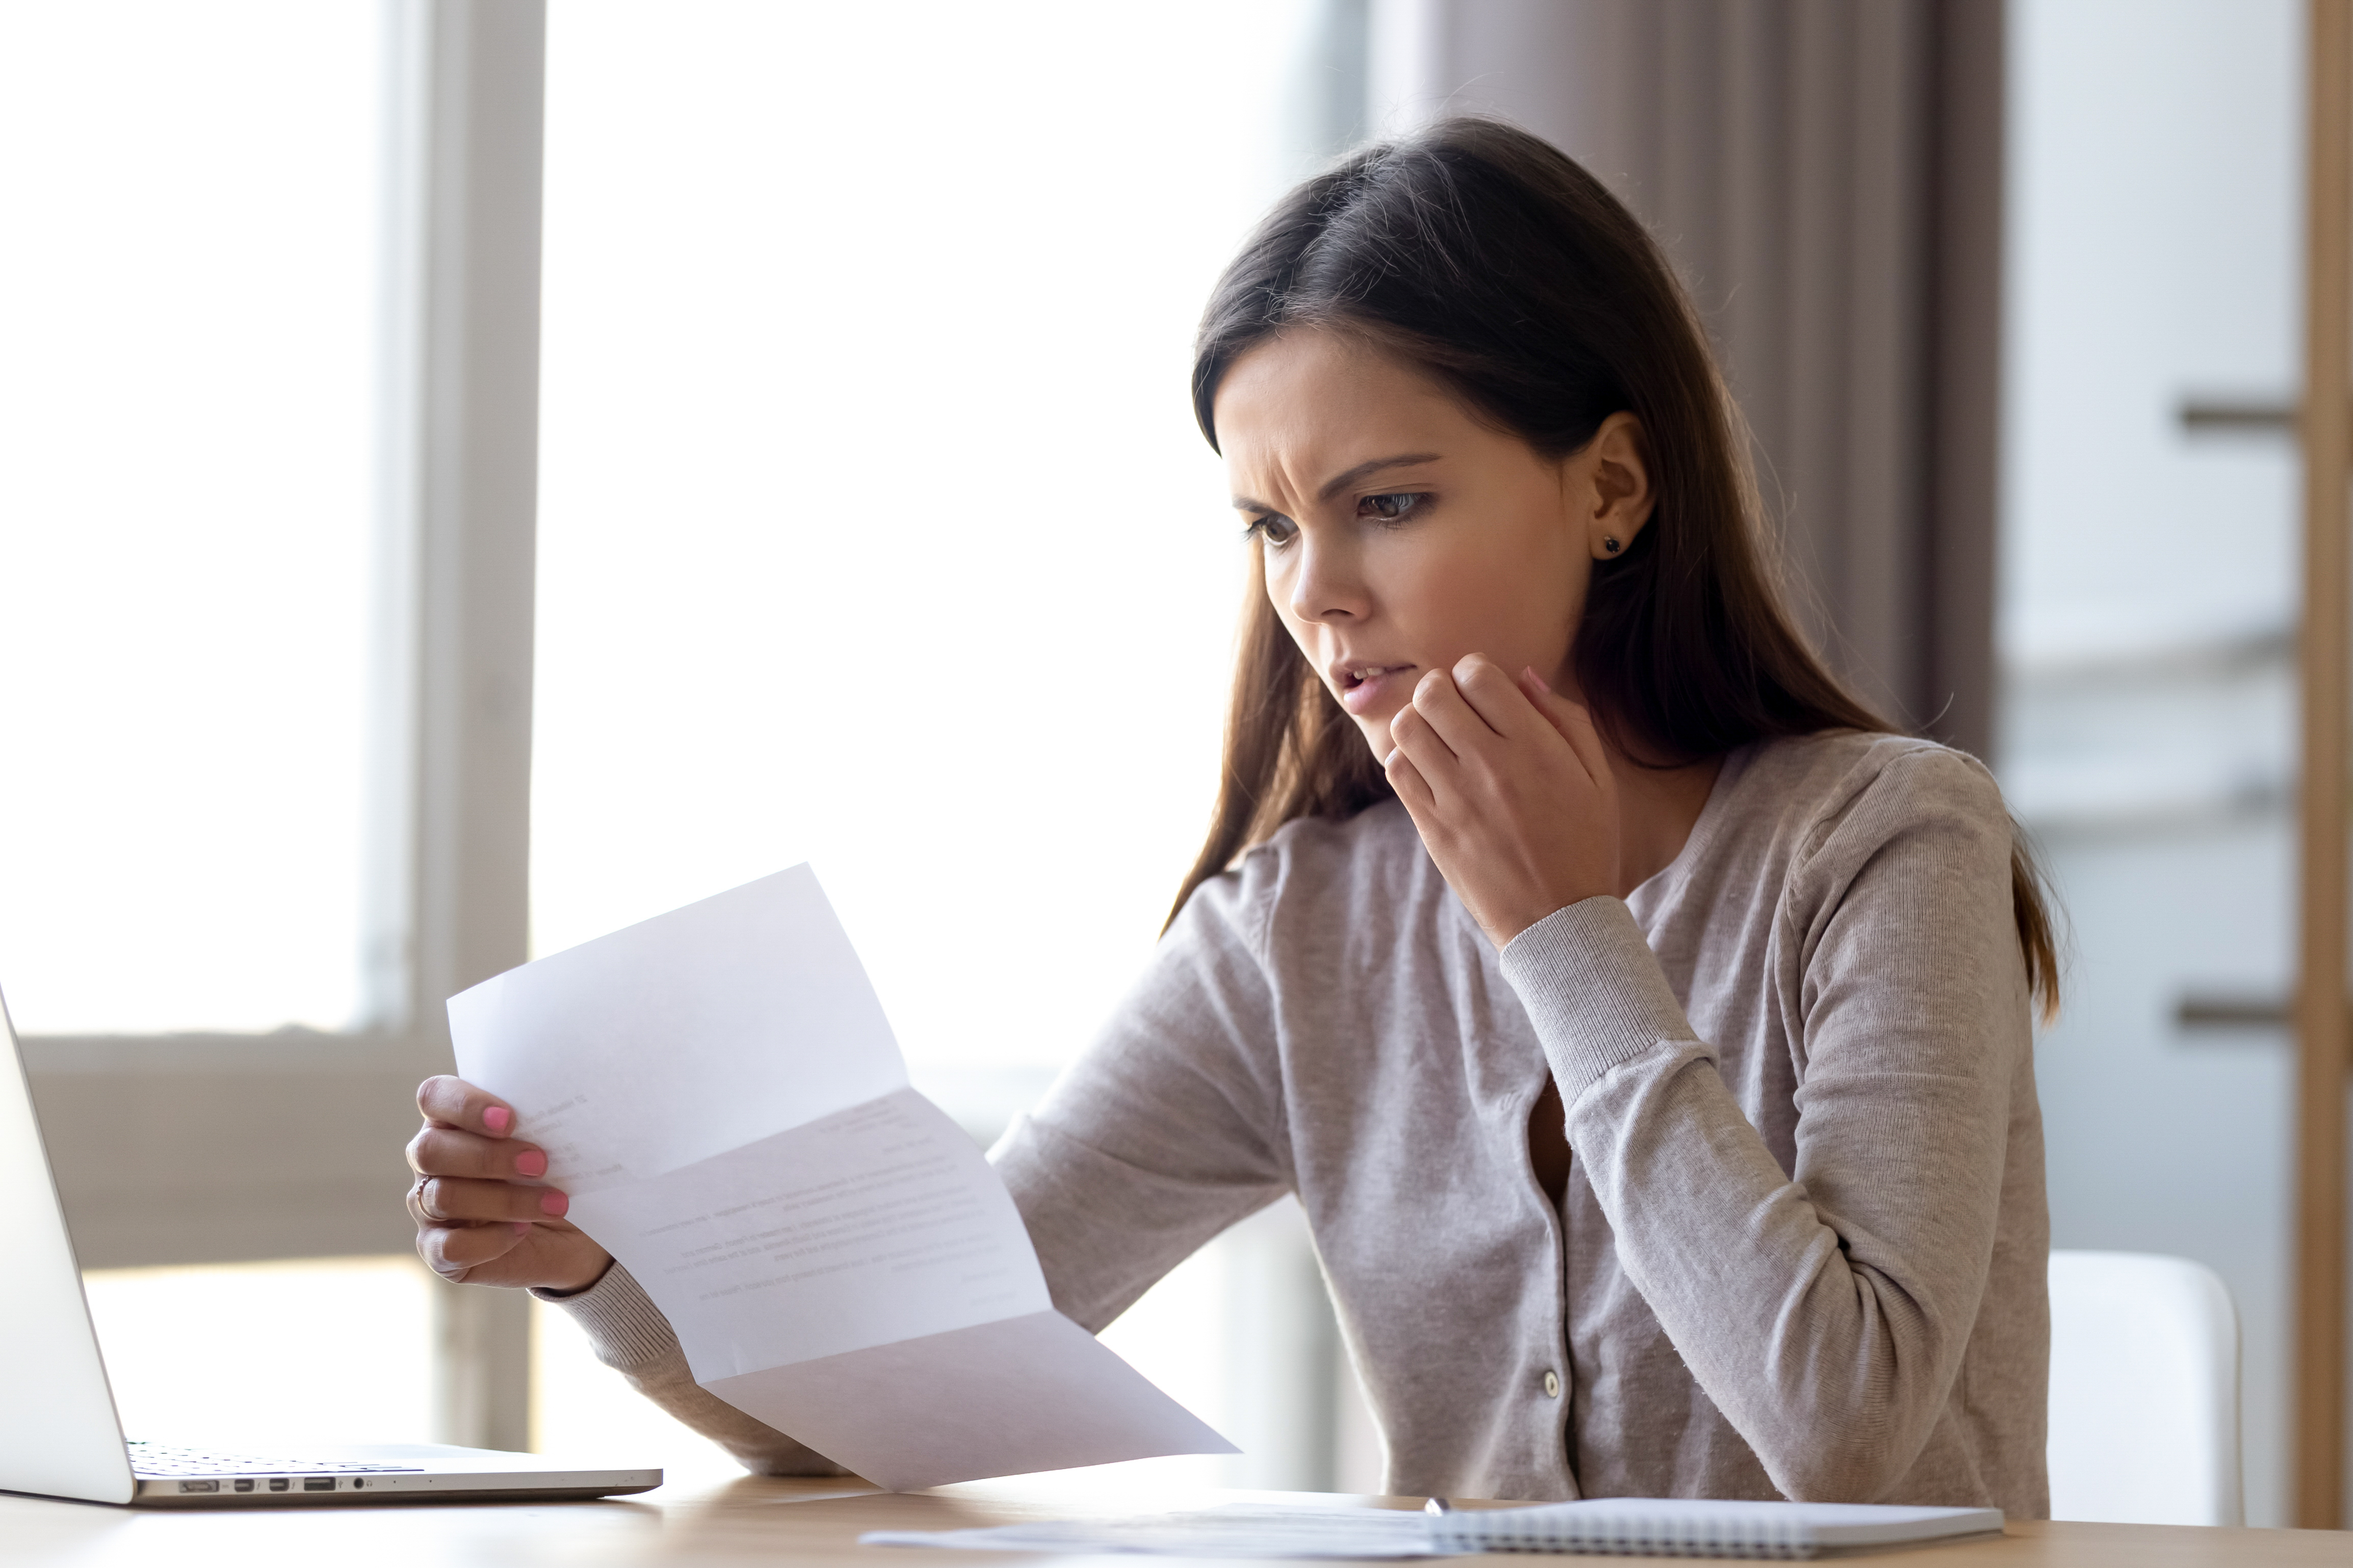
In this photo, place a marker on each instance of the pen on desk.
(1438, 1505)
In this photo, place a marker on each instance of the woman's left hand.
(1511, 787)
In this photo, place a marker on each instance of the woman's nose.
(1326, 582)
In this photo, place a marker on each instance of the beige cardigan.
(1803, 1244)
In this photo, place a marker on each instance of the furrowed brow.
(1356, 475)
(1364, 471)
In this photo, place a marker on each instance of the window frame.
(212, 1148)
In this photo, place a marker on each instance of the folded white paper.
(1238, 1530)
(720, 1094)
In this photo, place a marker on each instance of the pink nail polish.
(522, 1227)
(497, 1119)
(532, 1163)
(554, 1202)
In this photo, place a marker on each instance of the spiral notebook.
(1690, 1527)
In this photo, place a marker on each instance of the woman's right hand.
(482, 1216)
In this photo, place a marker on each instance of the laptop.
(59, 1435)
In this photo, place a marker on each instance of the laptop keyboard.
(159, 1460)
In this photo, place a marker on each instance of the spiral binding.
(1622, 1535)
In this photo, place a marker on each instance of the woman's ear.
(1614, 487)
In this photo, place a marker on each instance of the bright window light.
(187, 309)
(874, 528)
(265, 1357)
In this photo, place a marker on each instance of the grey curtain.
(1826, 176)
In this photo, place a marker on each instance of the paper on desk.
(721, 1096)
(1239, 1529)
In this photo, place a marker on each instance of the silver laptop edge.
(60, 1434)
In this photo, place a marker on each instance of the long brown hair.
(1501, 267)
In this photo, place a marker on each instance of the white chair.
(2144, 1390)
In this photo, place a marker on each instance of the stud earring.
(1612, 545)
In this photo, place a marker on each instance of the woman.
(1643, 1028)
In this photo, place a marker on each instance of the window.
(187, 378)
(874, 529)
(260, 577)
(874, 532)
(330, 1350)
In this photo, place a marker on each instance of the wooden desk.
(817, 1523)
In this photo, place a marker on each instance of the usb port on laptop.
(318, 1483)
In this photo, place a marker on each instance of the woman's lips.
(1377, 687)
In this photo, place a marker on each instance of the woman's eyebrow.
(1333, 487)
(1366, 470)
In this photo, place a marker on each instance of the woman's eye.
(1274, 529)
(1390, 508)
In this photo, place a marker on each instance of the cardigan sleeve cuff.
(624, 1326)
(1594, 991)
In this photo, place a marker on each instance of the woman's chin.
(1376, 732)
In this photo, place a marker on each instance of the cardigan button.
(1552, 1383)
